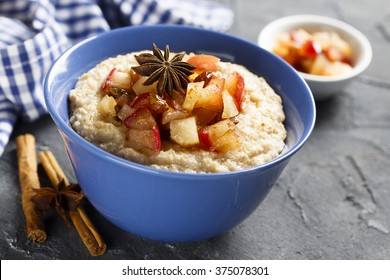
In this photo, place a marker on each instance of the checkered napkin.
(33, 33)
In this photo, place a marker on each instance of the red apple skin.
(310, 49)
(141, 101)
(220, 137)
(235, 85)
(204, 62)
(140, 119)
(147, 141)
(156, 147)
(204, 138)
(117, 82)
(107, 82)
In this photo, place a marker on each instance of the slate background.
(331, 202)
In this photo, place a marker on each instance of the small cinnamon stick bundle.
(88, 233)
(28, 176)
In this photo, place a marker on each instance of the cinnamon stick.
(28, 177)
(52, 168)
(86, 230)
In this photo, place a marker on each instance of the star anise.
(171, 74)
(59, 198)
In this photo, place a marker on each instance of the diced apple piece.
(157, 104)
(205, 138)
(220, 137)
(173, 114)
(319, 65)
(106, 106)
(139, 88)
(122, 80)
(210, 97)
(146, 141)
(300, 36)
(337, 42)
(106, 84)
(288, 52)
(218, 81)
(184, 131)
(323, 38)
(235, 85)
(204, 116)
(310, 49)
(140, 119)
(134, 76)
(204, 62)
(193, 92)
(124, 99)
(336, 68)
(141, 101)
(229, 106)
(125, 111)
(117, 80)
(333, 54)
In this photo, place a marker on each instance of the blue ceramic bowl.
(163, 205)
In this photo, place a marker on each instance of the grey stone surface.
(331, 202)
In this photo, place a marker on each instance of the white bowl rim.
(364, 60)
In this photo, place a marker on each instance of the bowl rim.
(305, 19)
(99, 152)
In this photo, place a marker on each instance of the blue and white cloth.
(33, 33)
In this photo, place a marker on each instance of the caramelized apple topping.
(318, 53)
(198, 112)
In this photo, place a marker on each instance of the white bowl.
(322, 86)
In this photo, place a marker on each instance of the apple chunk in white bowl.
(322, 85)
